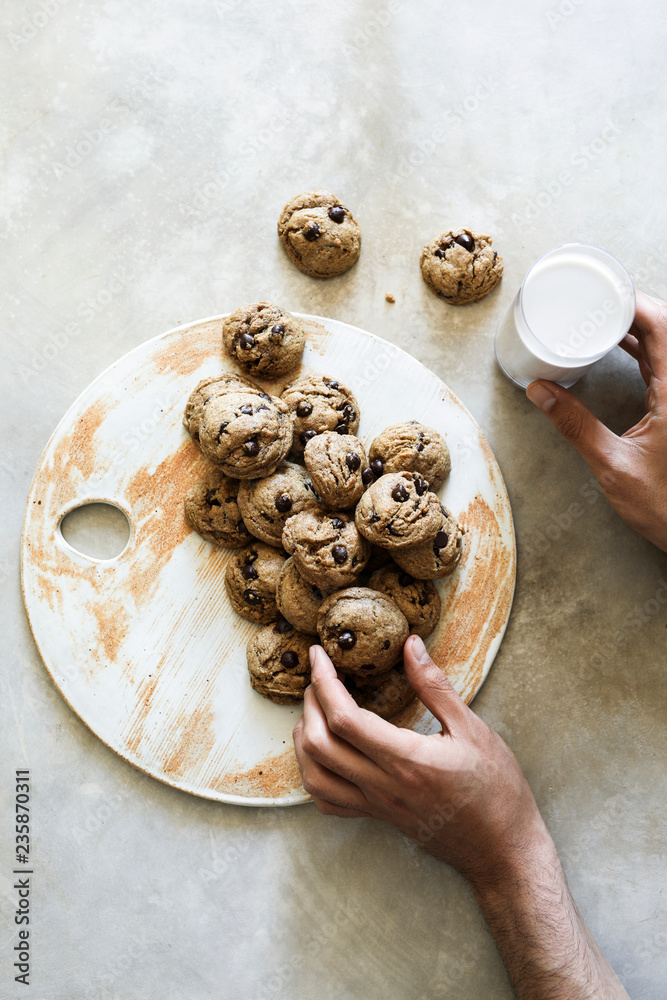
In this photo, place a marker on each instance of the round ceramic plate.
(146, 648)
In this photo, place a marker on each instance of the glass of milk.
(576, 303)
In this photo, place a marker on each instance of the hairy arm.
(462, 796)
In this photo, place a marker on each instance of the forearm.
(545, 944)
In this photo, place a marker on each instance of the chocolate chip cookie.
(335, 463)
(418, 599)
(320, 403)
(328, 550)
(264, 339)
(413, 447)
(398, 511)
(438, 557)
(384, 694)
(211, 508)
(299, 601)
(214, 385)
(320, 236)
(246, 434)
(265, 504)
(362, 631)
(251, 579)
(461, 266)
(278, 663)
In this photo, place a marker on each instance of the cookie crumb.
(389, 297)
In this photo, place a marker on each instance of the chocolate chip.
(377, 465)
(423, 601)
(404, 579)
(339, 552)
(277, 331)
(421, 485)
(282, 626)
(367, 666)
(251, 448)
(349, 413)
(374, 518)
(223, 428)
(283, 503)
(346, 640)
(247, 341)
(392, 531)
(306, 436)
(336, 214)
(465, 241)
(317, 593)
(304, 408)
(420, 447)
(367, 477)
(249, 572)
(399, 493)
(264, 395)
(250, 597)
(212, 500)
(341, 429)
(441, 539)
(495, 257)
(247, 409)
(352, 461)
(290, 659)
(338, 523)
(312, 232)
(386, 644)
(331, 382)
(250, 557)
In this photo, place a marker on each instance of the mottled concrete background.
(148, 150)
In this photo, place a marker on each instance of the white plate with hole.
(145, 647)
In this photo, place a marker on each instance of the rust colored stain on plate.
(477, 609)
(195, 742)
(273, 777)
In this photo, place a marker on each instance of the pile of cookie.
(323, 239)
(332, 542)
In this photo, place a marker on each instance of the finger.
(321, 745)
(376, 739)
(432, 686)
(650, 328)
(633, 347)
(329, 809)
(324, 785)
(596, 444)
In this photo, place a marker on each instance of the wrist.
(527, 859)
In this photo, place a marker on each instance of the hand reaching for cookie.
(462, 796)
(631, 469)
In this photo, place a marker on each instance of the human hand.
(631, 469)
(459, 793)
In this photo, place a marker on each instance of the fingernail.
(312, 655)
(541, 396)
(419, 650)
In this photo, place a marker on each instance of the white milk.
(575, 304)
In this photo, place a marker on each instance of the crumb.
(388, 297)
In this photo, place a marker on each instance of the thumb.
(595, 443)
(431, 685)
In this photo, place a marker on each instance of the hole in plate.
(98, 530)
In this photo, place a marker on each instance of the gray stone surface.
(148, 150)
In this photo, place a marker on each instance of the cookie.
(418, 599)
(384, 694)
(335, 463)
(264, 339)
(211, 508)
(438, 557)
(461, 266)
(413, 447)
(328, 550)
(319, 235)
(265, 504)
(398, 511)
(320, 403)
(278, 663)
(214, 385)
(362, 631)
(251, 578)
(299, 601)
(246, 434)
